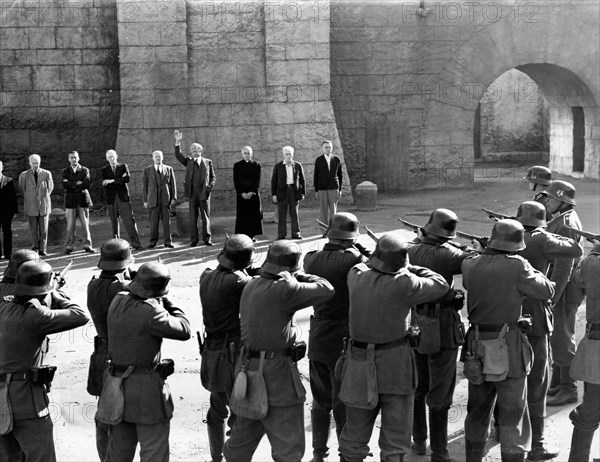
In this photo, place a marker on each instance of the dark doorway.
(578, 139)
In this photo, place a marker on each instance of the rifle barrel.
(371, 234)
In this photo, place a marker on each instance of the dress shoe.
(562, 397)
(151, 246)
(89, 250)
(193, 243)
(297, 237)
(280, 238)
(208, 243)
(542, 453)
(67, 252)
(170, 246)
(553, 390)
(138, 247)
(419, 447)
(42, 254)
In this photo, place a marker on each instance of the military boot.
(320, 434)
(512, 457)
(419, 433)
(568, 390)
(438, 436)
(474, 450)
(216, 439)
(581, 442)
(554, 381)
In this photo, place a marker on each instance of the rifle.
(497, 216)
(60, 277)
(472, 237)
(408, 224)
(371, 234)
(322, 225)
(590, 237)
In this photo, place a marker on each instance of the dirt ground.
(496, 187)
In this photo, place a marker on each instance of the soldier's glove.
(165, 368)
(60, 280)
(458, 301)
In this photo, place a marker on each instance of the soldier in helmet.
(220, 293)
(586, 416)
(7, 285)
(497, 281)
(34, 311)
(381, 296)
(437, 353)
(560, 202)
(541, 248)
(115, 259)
(538, 176)
(329, 326)
(138, 321)
(267, 308)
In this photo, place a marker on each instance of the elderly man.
(159, 192)
(328, 178)
(288, 189)
(199, 182)
(76, 182)
(36, 184)
(115, 177)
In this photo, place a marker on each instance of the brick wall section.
(59, 85)
(431, 71)
(227, 75)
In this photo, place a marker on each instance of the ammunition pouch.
(165, 368)
(298, 351)
(42, 375)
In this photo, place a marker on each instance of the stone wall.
(226, 74)
(424, 72)
(59, 85)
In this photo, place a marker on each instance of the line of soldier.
(372, 299)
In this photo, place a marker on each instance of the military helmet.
(539, 175)
(115, 254)
(561, 191)
(532, 213)
(237, 252)
(34, 278)
(390, 255)
(508, 236)
(283, 255)
(442, 223)
(17, 259)
(151, 281)
(343, 225)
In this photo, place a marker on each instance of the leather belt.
(381, 346)
(16, 376)
(269, 354)
(496, 327)
(118, 369)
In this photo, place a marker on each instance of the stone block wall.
(227, 74)
(59, 85)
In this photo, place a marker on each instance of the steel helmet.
(283, 255)
(390, 255)
(34, 278)
(539, 175)
(532, 213)
(17, 259)
(115, 254)
(442, 223)
(151, 281)
(343, 225)
(237, 252)
(561, 191)
(508, 236)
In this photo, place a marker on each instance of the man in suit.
(76, 182)
(159, 191)
(328, 178)
(115, 177)
(288, 189)
(36, 184)
(199, 182)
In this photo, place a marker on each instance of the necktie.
(35, 175)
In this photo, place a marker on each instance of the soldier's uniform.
(137, 323)
(437, 369)
(220, 294)
(7, 284)
(381, 297)
(329, 326)
(115, 257)
(497, 282)
(541, 247)
(586, 416)
(566, 300)
(35, 312)
(267, 307)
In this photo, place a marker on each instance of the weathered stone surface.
(41, 37)
(14, 38)
(285, 72)
(86, 116)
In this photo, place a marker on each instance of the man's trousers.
(123, 209)
(153, 439)
(30, 437)
(38, 226)
(84, 219)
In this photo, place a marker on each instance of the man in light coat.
(36, 184)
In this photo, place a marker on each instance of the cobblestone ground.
(73, 409)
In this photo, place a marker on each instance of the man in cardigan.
(115, 177)
(199, 182)
(36, 184)
(76, 182)
(288, 189)
(328, 181)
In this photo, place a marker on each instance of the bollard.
(366, 196)
(182, 213)
(57, 227)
